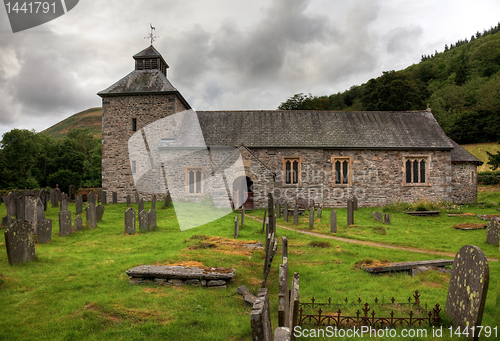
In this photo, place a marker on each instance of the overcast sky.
(223, 54)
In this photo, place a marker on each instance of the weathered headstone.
(143, 220)
(278, 209)
(141, 205)
(129, 201)
(153, 202)
(296, 215)
(282, 334)
(30, 213)
(378, 216)
(44, 231)
(285, 211)
(284, 248)
(152, 219)
(21, 207)
(91, 214)
(43, 197)
(311, 217)
(236, 227)
(40, 210)
(104, 198)
(7, 220)
(99, 195)
(78, 223)
(54, 198)
(350, 212)
(333, 221)
(115, 198)
(319, 212)
(355, 203)
(264, 222)
(99, 212)
(64, 204)
(136, 197)
(79, 204)
(387, 218)
(72, 192)
(493, 231)
(20, 242)
(130, 221)
(167, 200)
(260, 318)
(283, 296)
(11, 204)
(294, 303)
(469, 281)
(92, 198)
(64, 223)
(242, 216)
(271, 213)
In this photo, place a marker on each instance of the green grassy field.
(479, 150)
(90, 118)
(77, 289)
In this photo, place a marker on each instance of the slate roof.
(459, 154)
(149, 53)
(324, 129)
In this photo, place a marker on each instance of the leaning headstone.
(130, 221)
(44, 231)
(104, 198)
(64, 223)
(20, 242)
(99, 212)
(493, 232)
(469, 281)
(350, 212)
(285, 211)
(387, 218)
(72, 192)
(115, 198)
(141, 205)
(278, 209)
(153, 202)
(311, 217)
(333, 221)
(271, 213)
(167, 200)
(264, 222)
(91, 214)
(79, 204)
(296, 215)
(319, 212)
(143, 220)
(152, 219)
(260, 318)
(92, 198)
(78, 223)
(236, 227)
(129, 201)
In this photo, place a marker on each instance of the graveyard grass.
(77, 288)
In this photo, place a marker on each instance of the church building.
(324, 157)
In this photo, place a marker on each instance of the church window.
(416, 170)
(134, 124)
(194, 180)
(291, 170)
(341, 171)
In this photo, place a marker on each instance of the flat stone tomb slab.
(181, 272)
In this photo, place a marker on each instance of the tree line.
(461, 85)
(30, 160)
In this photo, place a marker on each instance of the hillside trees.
(32, 160)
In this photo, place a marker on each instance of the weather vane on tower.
(151, 36)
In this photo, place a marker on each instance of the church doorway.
(243, 193)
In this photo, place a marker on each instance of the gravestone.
(278, 209)
(136, 197)
(104, 198)
(99, 212)
(271, 213)
(167, 200)
(294, 303)
(92, 198)
(283, 295)
(43, 197)
(21, 207)
(468, 288)
(99, 195)
(141, 205)
(260, 318)
(129, 201)
(44, 231)
(79, 204)
(153, 202)
(333, 221)
(285, 211)
(115, 198)
(54, 198)
(236, 227)
(311, 217)
(319, 212)
(387, 218)
(264, 222)
(355, 203)
(30, 213)
(378, 216)
(91, 214)
(242, 216)
(130, 221)
(143, 220)
(72, 192)
(11, 204)
(152, 219)
(284, 248)
(20, 242)
(64, 223)
(350, 212)
(40, 210)
(64, 204)
(7, 220)
(296, 215)
(78, 223)
(493, 232)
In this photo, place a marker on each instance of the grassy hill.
(479, 150)
(90, 118)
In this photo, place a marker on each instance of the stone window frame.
(333, 160)
(134, 124)
(299, 160)
(420, 158)
(187, 183)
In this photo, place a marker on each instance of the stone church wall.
(464, 183)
